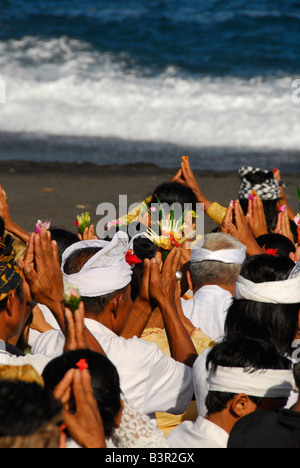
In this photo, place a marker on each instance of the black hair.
(248, 353)
(173, 192)
(276, 324)
(63, 238)
(25, 407)
(105, 381)
(276, 241)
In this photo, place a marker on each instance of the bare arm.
(141, 310)
(10, 225)
(163, 286)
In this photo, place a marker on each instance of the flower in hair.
(272, 252)
(82, 364)
(39, 225)
(83, 221)
(132, 259)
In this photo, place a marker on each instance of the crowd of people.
(168, 341)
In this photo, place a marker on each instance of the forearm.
(181, 346)
(137, 320)
(202, 199)
(17, 231)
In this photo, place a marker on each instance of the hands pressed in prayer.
(88, 234)
(75, 329)
(44, 278)
(240, 228)
(42, 271)
(283, 226)
(85, 426)
(283, 197)
(186, 177)
(256, 218)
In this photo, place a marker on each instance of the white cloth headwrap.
(265, 383)
(236, 256)
(276, 292)
(107, 271)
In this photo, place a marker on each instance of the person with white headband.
(267, 309)
(267, 429)
(213, 271)
(150, 380)
(245, 375)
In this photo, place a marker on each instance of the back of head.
(244, 353)
(105, 381)
(277, 242)
(63, 239)
(276, 324)
(74, 264)
(29, 415)
(211, 272)
(172, 193)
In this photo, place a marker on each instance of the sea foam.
(65, 87)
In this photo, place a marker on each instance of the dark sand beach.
(60, 191)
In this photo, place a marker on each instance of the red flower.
(273, 252)
(82, 364)
(132, 259)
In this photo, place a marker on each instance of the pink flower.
(283, 208)
(297, 219)
(39, 225)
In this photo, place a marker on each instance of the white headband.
(107, 271)
(265, 383)
(276, 292)
(236, 256)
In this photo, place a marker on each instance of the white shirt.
(208, 309)
(38, 362)
(199, 434)
(149, 379)
(49, 318)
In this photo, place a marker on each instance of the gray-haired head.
(213, 272)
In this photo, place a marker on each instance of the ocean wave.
(65, 87)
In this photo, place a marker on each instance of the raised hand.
(85, 426)
(256, 218)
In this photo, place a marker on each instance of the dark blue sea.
(128, 81)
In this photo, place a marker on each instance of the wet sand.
(59, 191)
